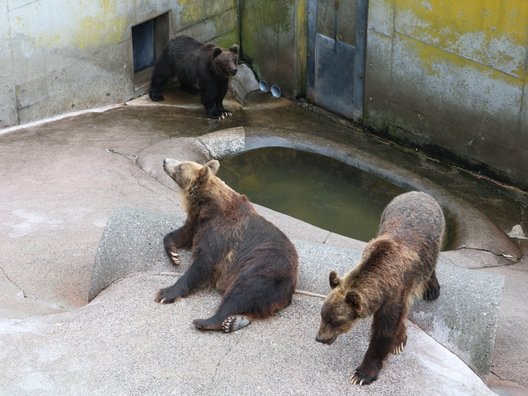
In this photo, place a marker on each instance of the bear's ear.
(217, 51)
(213, 165)
(334, 279)
(355, 301)
(234, 49)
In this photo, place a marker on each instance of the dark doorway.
(149, 39)
(143, 45)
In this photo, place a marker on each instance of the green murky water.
(319, 190)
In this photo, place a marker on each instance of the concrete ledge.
(132, 241)
(463, 319)
(474, 230)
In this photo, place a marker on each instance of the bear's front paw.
(432, 291)
(167, 295)
(156, 97)
(400, 347)
(363, 377)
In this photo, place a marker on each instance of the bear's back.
(415, 218)
(186, 57)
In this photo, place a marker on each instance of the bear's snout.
(169, 165)
(323, 340)
(234, 71)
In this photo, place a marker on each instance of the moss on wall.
(274, 38)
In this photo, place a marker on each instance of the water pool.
(311, 187)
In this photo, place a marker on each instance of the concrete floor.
(62, 180)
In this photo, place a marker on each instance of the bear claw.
(359, 378)
(165, 296)
(234, 323)
(399, 349)
(175, 258)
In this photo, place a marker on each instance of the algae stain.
(434, 60)
(190, 10)
(475, 31)
(446, 22)
(104, 27)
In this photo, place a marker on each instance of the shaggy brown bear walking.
(235, 250)
(395, 267)
(198, 67)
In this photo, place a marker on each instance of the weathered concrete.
(243, 83)
(452, 81)
(61, 182)
(274, 38)
(124, 343)
(57, 57)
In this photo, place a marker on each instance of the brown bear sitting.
(235, 250)
(395, 267)
(197, 66)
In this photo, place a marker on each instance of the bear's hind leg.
(229, 324)
(432, 288)
(250, 297)
(229, 317)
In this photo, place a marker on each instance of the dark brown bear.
(396, 267)
(235, 250)
(198, 67)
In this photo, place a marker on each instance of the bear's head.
(199, 185)
(188, 173)
(340, 310)
(224, 62)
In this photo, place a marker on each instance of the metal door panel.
(336, 55)
(334, 75)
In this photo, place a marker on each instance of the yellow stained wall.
(451, 76)
(490, 32)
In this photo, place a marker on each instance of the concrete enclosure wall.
(452, 77)
(449, 77)
(273, 37)
(59, 56)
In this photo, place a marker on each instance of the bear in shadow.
(397, 266)
(199, 67)
(234, 249)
